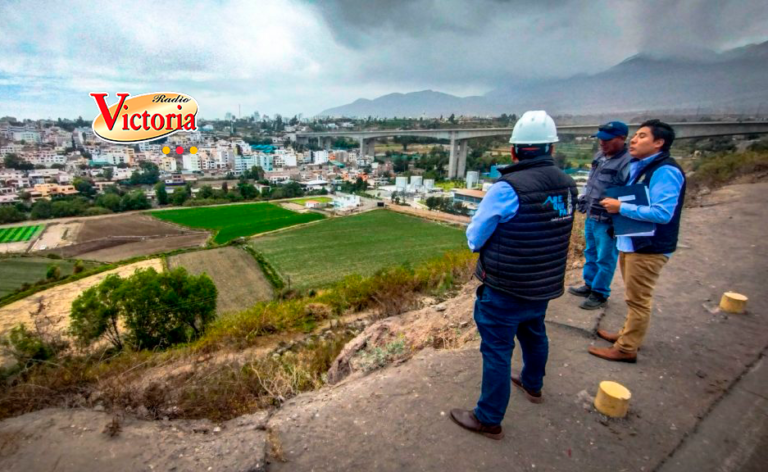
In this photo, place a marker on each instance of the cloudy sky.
(292, 56)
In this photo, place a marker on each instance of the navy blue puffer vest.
(526, 256)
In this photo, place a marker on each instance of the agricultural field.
(236, 273)
(318, 255)
(112, 239)
(302, 201)
(234, 221)
(16, 271)
(19, 233)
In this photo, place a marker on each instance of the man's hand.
(611, 205)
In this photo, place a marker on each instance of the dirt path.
(699, 370)
(430, 215)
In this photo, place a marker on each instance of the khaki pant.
(640, 273)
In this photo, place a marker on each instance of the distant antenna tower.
(238, 113)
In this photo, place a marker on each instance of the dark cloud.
(487, 42)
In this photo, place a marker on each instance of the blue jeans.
(499, 317)
(601, 255)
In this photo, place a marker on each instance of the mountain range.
(732, 81)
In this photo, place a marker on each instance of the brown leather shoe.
(467, 420)
(610, 337)
(612, 354)
(533, 397)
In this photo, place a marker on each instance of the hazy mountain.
(735, 80)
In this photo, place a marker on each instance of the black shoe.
(593, 302)
(582, 291)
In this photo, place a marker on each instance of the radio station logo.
(144, 117)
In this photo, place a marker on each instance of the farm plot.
(318, 255)
(235, 272)
(303, 201)
(19, 233)
(114, 239)
(16, 271)
(234, 221)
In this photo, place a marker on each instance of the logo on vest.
(564, 209)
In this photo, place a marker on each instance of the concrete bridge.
(458, 137)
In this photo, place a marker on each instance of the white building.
(346, 202)
(28, 136)
(401, 183)
(473, 178)
(283, 158)
(191, 162)
(43, 157)
(319, 157)
(244, 163)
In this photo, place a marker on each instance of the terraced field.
(234, 221)
(318, 255)
(19, 233)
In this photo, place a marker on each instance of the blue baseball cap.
(612, 129)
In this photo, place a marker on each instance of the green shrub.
(53, 273)
(157, 309)
(28, 346)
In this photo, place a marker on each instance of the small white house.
(346, 202)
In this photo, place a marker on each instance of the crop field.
(19, 233)
(302, 201)
(318, 255)
(16, 271)
(234, 221)
(235, 272)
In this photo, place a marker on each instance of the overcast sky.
(291, 56)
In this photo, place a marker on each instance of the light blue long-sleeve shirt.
(499, 205)
(664, 191)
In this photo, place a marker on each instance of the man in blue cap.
(610, 168)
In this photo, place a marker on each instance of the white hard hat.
(534, 127)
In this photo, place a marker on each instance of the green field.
(16, 271)
(302, 201)
(324, 253)
(19, 233)
(234, 221)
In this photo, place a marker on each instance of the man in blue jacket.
(641, 258)
(522, 231)
(610, 168)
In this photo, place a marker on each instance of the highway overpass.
(458, 137)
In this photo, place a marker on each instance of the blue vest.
(526, 256)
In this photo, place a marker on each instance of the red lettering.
(104, 109)
(169, 117)
(133, 122)
(154, 121)
(125, 122)
(145, 115)
(178, 117)
(190, 123)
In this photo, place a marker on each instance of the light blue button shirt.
(499, 205)
(664, 191)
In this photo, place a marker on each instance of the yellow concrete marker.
(733, 302)
(612, 399)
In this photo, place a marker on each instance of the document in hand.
(638, 195)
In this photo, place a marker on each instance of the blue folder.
(636, 194)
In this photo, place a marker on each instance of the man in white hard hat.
(522, 231)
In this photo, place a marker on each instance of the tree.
(225, 188)
(247, 190)
(95, 313)
(205, 192)
(179, 196)
(109, 201)
(53, 273)
(432, 202)
(135, 200)
(41, 210)
(452, 119)
(148, 174)
(161, 194)
(13, 161)
(157, 309)
(84, 186)
(108, 173)
(11, 215)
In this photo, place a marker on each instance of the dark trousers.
(499, 317)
